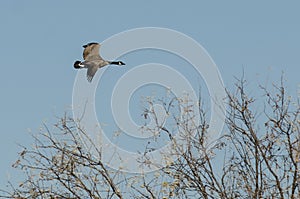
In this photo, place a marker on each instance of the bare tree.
(265, 159)
(258, 155)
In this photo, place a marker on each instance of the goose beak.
(121, 63)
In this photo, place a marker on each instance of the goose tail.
(78, 65)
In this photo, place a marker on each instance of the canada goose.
(92, 60)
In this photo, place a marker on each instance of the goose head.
(121, 63)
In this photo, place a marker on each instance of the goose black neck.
(115, 63)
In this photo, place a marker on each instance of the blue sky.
(40, 41)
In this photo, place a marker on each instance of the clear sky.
(41, 39)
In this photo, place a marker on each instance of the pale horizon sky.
(41, 40)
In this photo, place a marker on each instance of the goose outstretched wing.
(92, 69)
(91, 52)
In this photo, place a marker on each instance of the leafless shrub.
(258, 155)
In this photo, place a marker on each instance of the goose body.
(93, 60)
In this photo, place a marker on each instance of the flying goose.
(92, 60)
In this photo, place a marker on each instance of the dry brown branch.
(258, 156)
